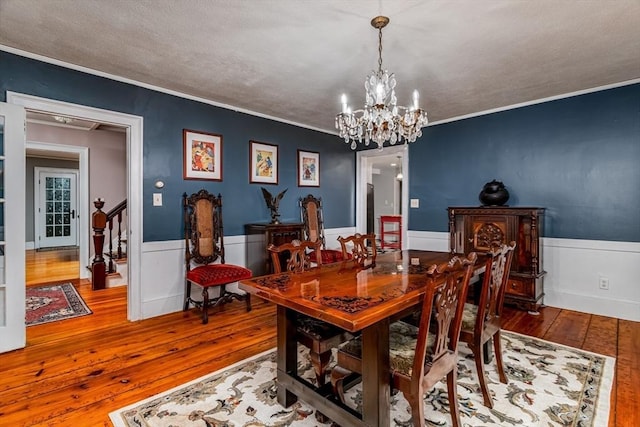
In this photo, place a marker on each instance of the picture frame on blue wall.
(202, 155)
(263, 163)
(308, 169)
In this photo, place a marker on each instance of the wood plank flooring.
(55, 265)
(74, 372)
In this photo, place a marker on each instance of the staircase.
(114, 272)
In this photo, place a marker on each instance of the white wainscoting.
(574, 268)
(163, 270)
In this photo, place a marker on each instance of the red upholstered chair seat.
(217, 274)
(329, 256)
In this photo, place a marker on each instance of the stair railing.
(99, 221)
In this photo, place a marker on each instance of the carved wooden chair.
(296, 254)
(481, 323)
(319, 337)
(204, 254)
(420, 359)
(311, 216)
(359, 247)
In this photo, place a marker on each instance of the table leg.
(376, 400)
(287, 358)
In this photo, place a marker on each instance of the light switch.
(157, 199)
(415, 203)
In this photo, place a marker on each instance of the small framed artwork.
(308, 169)
(263, 163)
(202, 155)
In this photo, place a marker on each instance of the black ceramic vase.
(494, 193)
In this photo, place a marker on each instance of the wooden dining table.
(360, 298)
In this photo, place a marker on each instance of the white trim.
(29, 246)
(75, 67)
(134, 125)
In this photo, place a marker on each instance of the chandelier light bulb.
(381, 119)
(344, 103)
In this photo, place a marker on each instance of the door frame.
(134, 140)
(83, 197)
(37, 194)
(13, 330)
(363, 170)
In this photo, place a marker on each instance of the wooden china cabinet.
(474, 228)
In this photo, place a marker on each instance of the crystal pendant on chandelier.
(381, 119)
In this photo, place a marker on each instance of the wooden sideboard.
(474, 228)
(259, 236)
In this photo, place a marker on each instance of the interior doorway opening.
(382, 188)
(133, 127)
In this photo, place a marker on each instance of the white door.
(12, 227)
(56, 207)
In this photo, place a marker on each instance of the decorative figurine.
(272, 204)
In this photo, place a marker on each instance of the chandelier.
(381, 119)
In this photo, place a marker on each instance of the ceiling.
(291, 59)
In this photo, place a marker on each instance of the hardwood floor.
(55, 265)
(74, 372)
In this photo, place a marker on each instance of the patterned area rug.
(53, 302)
(549, 385)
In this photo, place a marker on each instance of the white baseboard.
(30, 245)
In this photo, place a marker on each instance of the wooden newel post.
(98, 267)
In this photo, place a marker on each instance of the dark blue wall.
(579, 157)
(165, 117)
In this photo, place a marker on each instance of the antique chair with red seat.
(311, 216)
(204, 254)
(481, 323)
(318, 336)
(418, 358)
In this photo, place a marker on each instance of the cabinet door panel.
(487, 229)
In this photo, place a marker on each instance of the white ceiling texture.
(292, 59)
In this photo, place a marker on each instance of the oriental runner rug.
(549, 385)
(53, 302)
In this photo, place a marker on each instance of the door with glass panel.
(12, 227)
(56, 207)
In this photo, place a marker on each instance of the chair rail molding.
(574, 268)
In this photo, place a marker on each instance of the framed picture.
(202, 155)
(263, 163)
(308, 169)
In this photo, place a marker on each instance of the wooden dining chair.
(313, 228)
(481, 323)
(204, 254)
(359, 247)
(419, 359)
(318, 336)
(296, 256)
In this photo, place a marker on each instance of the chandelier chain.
(380, 50)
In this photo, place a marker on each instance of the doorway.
(133, 126)
(382, 187)
(55, 210)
